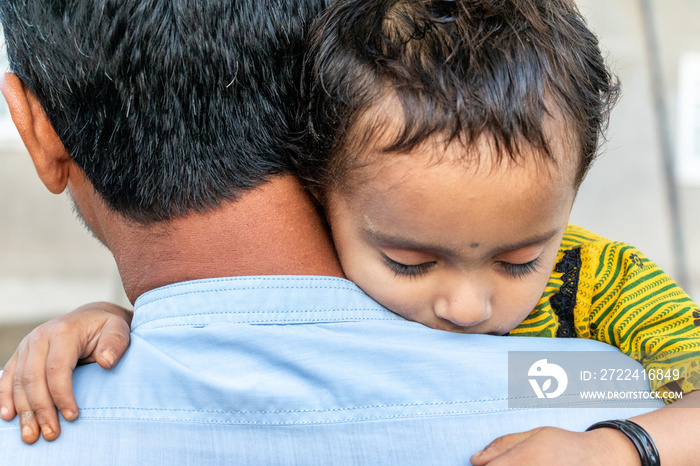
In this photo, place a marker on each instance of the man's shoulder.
(284, 382)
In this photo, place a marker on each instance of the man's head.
(167, 107)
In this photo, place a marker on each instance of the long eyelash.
(404, 270)
(521, 270)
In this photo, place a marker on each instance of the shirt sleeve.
(626, 300)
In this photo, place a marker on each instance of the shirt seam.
(332, 410)
(252, 321)
(297, 411)
(343, 283)
(327, 421)
(269, 321)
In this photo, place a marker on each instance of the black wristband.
(638, 436)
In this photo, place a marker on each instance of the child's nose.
(464, 307)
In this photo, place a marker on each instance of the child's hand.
(554, 446)
(39, 376)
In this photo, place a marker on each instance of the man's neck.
(271, 230)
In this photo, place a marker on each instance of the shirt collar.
(256, 300)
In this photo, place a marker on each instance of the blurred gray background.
(644, 190)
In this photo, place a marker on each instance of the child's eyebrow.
(406, 243)
(530, 242)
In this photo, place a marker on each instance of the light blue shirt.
(292, 370)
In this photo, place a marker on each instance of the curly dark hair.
(460, 69)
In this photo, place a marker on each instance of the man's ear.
(50, 158)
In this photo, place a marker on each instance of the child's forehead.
(373, 139)
(445, 201)
(480, 160)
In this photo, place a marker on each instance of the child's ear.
(50, 158)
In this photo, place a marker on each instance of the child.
(450, 138)
(450, 144)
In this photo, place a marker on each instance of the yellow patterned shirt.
(608, 291)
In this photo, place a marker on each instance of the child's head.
(450, 138)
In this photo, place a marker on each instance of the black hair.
(460, 70)
(168, 106)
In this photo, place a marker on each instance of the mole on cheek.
(474, 245)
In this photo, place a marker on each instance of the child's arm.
(673, 429)
(38, 378)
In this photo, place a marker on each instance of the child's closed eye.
(406, 270)
(520, 270)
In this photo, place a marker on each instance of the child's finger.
(113, 342)
(28, 425)
(37, 391)
(20, 381)
(59, 374)
(7, 405)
